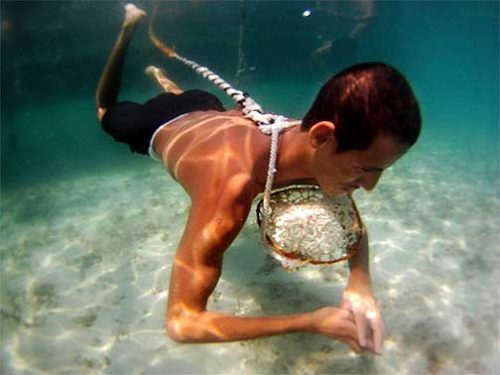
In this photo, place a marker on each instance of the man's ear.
(321, 133)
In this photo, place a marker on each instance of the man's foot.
(158, 76)
(133, 14)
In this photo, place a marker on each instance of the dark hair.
(366, 100)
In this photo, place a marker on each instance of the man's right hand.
(338, 324)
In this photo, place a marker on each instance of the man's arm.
(358, 298)
(196, 270)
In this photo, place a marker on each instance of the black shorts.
(134, 124)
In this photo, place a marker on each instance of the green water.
(52, 55)
(89, 230)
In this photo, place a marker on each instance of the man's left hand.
(369, 322)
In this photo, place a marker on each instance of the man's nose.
(369, 180)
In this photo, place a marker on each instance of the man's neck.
(294, 159)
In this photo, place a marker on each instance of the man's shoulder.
(214, 124)
(231, 116)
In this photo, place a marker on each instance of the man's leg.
(109, 84)
(158, 76)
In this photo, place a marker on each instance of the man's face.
(342, 173)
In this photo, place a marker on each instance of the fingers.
(361, 327)
(377, 326)
(365, 329)
(354, 345)
(350, 336)
(370, 330)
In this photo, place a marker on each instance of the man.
(362, 121)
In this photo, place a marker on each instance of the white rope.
(271, 171)
(250, 108)
(274, 130)
(268, 123)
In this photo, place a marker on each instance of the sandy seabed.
(86, 262)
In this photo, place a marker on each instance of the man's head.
(362, 121)
(364, 101)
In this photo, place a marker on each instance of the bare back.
(214, 149)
